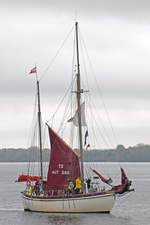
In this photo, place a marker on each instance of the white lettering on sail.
(60, 166)
(55, 172)
(65, 172)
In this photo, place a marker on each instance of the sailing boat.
(65, 167)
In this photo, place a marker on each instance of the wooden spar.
(79, 105)
(40, 130)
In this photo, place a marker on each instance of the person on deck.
(37, 188)
(77, 185)
(70, 187)
(88, 182)
(31, 190)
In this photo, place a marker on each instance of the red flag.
(33, 70)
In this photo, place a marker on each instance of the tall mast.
(40, 130)
(79, 91)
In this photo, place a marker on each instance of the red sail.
(107, 181)
(124, 178)
(64, 163)
(125, 184)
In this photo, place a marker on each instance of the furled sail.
(23, 178)
(107, 181)
(74, 119)
(64, 163)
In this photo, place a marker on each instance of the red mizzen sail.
(125, 184)
(124, 178)
(64, 163)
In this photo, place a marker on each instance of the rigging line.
(71, 96)
(63, 118)
(31, 128)
(84, 64)
(63, 123)
(105, 139)
(73, 78)
(73, 72)
(52, 117)
(55, 56)
(33, 116)
(86, 75)
(99, 88)
(87, 83)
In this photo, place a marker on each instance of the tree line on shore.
(138, 153)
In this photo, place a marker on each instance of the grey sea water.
(131, 209)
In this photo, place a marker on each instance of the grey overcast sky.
(117, 35)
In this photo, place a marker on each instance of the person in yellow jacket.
(77, 185)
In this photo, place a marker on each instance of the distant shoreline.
(139, 153)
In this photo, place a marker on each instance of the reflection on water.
(56, 219)
(29, 218)
(79, 219)
(69, 218)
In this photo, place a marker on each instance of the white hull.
(91, 203)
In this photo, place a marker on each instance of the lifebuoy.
(28, 182)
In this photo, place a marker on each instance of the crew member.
(77, 185)
(70, 187)
(88, 182)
